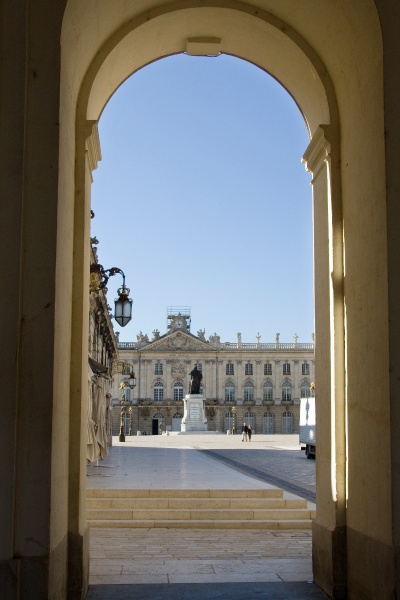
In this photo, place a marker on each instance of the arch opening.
(317, 101)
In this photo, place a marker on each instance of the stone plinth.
(194, 418)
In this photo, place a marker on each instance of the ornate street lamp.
(122, 423)
(132, 380)
(233, 411)
(122, 386)
(123, 304)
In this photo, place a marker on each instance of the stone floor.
(194, 564)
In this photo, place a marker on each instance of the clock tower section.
(178, 318)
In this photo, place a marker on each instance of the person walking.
(249, 432)
(245, 431)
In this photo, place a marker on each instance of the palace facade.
(257, 383)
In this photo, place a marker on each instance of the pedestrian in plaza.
(249, 432)
(245, 431)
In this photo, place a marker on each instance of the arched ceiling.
(240, 34)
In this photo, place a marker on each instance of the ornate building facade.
(103, 356)
(257, 383)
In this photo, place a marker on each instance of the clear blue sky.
(202, 200)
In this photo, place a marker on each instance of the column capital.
(317, 152)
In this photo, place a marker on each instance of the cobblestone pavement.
(199, 556)
(275, 459)
(288, 469)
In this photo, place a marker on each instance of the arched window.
(158, 392)
(248, 391)
(268, 391)
(159, 415)
(287, 422)
(305, 389)
(178, 390)
(268, 422)
(286, 391)
(229, 391)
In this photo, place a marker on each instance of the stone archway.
(330, 58)
(271, 43)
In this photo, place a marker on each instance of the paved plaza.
(193, 563)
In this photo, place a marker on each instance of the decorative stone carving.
(180, 341)
(178, 369)
(215, 338)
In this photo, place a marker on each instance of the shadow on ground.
(291, 471)
(208, 591)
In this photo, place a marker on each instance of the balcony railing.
(270, 347)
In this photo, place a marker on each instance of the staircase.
(198, 509)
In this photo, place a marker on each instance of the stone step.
(241, 514)
(193, 503)
(178, 493)
(287, 524)
(269, 508)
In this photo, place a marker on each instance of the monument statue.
(195, 380)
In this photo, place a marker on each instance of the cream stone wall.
(340, 61)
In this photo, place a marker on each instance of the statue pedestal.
(194, 418)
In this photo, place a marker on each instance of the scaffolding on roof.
(178, 311)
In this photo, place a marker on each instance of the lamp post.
(122, 423)
(233, 412)
(131, 383)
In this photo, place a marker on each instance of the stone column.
(278, 379)
(296, 380)
(239, 379)
(220, 379)
(257, 381)
(36, 289)
(329, 527)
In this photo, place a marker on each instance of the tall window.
(305, 389)
(248, 369)
(178, 390)
(286, 368)
(267, 391)
(229, 369)
(287, 391)
(158, 391)
(287, 422)
(158, 368)
(248, 391)
(305, 369)
(268, 422)
(250, 419)
(229, 391)
(267, 369)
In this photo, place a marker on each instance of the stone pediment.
(178, 341)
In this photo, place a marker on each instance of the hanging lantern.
(123, 307)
